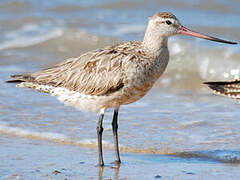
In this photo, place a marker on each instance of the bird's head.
(165, 24)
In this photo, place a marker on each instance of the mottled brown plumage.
(103, 72)
(97, 72)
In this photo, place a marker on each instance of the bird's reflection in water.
(100, 172)
(116, 171)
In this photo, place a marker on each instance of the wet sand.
(28, 159)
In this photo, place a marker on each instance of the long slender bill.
(189, 32)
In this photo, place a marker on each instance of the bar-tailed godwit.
(111, 76)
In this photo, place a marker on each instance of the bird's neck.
(153, 41)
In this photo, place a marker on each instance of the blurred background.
(179, 115)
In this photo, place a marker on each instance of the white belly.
(80, 101)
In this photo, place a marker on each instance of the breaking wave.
(29, 35)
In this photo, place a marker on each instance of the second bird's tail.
(226, 88)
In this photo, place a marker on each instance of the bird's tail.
(28, 81)
(20, 78)
(226, 88)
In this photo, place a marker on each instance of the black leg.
(99, 133)
(115, 135)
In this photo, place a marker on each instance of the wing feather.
(95, 73)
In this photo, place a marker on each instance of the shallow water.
(180, 122)
(71, 162)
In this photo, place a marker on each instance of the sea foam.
(30, 34)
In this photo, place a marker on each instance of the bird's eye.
(168, 22)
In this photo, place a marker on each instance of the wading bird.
(111, 76)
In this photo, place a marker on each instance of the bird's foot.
(100, 164)
(117, 163)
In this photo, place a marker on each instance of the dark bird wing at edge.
(226, 88)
